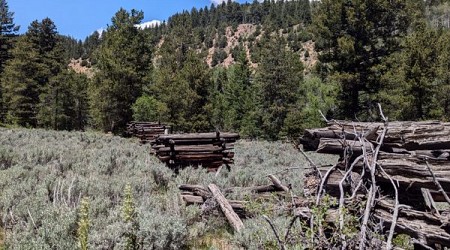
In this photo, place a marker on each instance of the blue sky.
(79, 18)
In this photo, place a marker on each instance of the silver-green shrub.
(45, 174)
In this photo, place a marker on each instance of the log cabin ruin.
(399, 172)
(393, 176)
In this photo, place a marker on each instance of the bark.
(226, 208)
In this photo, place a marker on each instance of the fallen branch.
(395, 214)
(373, 188)
(277, 183)
(291, 224)
(274, 230)
(441, 190)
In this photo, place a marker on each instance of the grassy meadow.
(45, 176)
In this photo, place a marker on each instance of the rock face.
(78, 67)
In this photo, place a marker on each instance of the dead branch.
(373, 188)
(32, 220)
(441, 190)
(310, 162)
(274, 230)
(277, 183)
(291, 224)
(341, 200)
(395, 214)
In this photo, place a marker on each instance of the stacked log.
(413, 156)
(147, 131)
(209, 150)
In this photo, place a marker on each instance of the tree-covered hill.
(263, 69)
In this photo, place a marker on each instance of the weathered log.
(337, 146)
(232, 217)
(410, 170)
(277, 183)
(419, 225)
(196, 189)
(202, 191)
(430, 135)
(195, 136)
(195, 148)
(332, 182)
(192, 199)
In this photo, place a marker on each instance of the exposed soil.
(75, 64)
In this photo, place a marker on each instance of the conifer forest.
(269, 72)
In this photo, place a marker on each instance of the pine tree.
(235, 92)
(279, 74)
(7, 33)
(20, 86)
(355, 37)
(409, 85)
(36, 58)
(443, 75)
(124, 65)
(63, 102)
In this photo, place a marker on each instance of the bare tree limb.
(341, 200)
(311, 162)
(280, 242)
(291, 224)
(373, 188)
(277, 183)
(441, 190)
(395, 214)
(322, 183)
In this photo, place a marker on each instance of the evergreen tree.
(124, 65)
(279, 74)
(183, 87)
(36, 58)
(7, 33)
(216, 100)
(443, 75)
(20, 86)
(235, 92)
(63, 102)
(409, 84)
(354, 38)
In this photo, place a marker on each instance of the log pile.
(401, 168)
(200, 195)
(147, 131)
(209, 150)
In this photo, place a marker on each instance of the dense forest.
(263, 69)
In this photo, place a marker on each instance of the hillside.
(262, 69)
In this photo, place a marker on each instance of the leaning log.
(231, 216)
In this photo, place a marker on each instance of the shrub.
(48, 172)
(148, 108)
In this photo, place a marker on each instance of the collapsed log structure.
(200, 195)
(401, 168)
(147, 131)
(209, 150)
